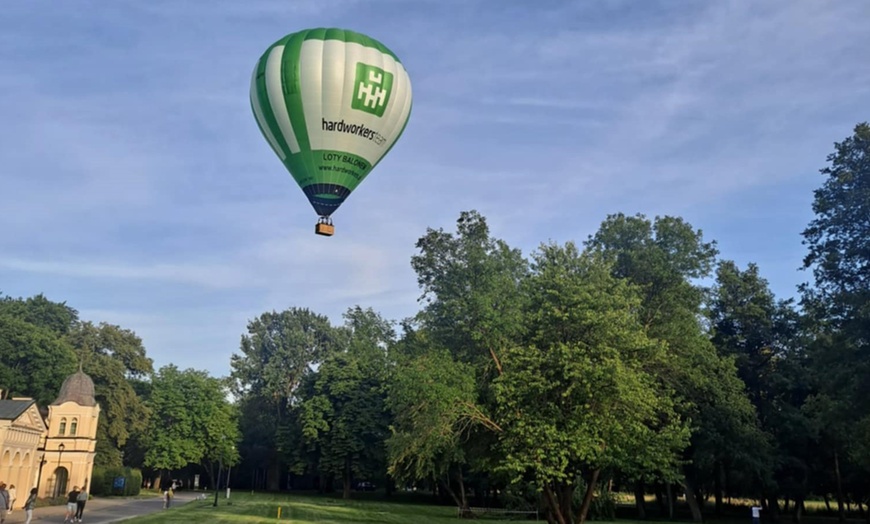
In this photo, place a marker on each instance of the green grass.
(299, 509)
(258, 508)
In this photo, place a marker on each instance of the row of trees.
(640, 360)
(161, 421)
(577, 367)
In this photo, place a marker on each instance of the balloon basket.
(324, 227)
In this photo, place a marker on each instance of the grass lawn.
(300, 509)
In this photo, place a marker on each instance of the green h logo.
(372, 89)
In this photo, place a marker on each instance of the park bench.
(496, 512)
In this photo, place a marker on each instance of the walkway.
(102, 510)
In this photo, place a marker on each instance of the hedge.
(103, 481)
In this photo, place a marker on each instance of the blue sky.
(135, 185)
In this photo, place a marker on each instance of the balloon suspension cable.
(324, 226)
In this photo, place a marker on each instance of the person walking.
(80, 504)
(71, 505)
(29, 504)
(4, 502)
(13, 496)
(756, 514)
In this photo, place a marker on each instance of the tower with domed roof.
(70, 444)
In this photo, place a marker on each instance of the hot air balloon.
(331, 103)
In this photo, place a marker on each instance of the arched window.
(62, 430)
(73, 426)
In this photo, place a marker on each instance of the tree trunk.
(669, 491)
(798, 509)
(446, 486)
(717, 486)
(660, 499)
(346, 478)
(841, 513)
(461, 489)
(273, 477)
(566, 499)
(639, 501)
(553, 505)
(773, 508)
(691, 498)
(587, 498)
(329, 483)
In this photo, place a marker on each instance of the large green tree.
(35, 354)
(35, 360)
(112, 356)
(838, 238)
(278, 353)
(577, 396)
(433, 400)
(193, 422)
(838, 302)
(665, 258)
(471, 291)
(472, 308)
(345, 416)
(762, 335)
(57, 317)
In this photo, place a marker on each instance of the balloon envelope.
(331, 103)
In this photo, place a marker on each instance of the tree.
(38, 310)
(838, 238)
(346, 417)
(432, 398)
(838, 241)
(193, 422)
(35, 354)
(471, 291)
(761, 334)
(111, 356)
(472, 308)
(276, 355)
(663, 257)
(576, 397)
(35, 360)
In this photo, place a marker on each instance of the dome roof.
(78, 388)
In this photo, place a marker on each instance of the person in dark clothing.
(29, 505)
(80, 504)
(71, 506)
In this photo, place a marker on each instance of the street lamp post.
(42, 462)
(229, 470)
(57, 471)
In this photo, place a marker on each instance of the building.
(52, 450)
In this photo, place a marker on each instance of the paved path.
(102, 511)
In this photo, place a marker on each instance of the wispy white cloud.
(189, 273)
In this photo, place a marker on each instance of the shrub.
(103, 481)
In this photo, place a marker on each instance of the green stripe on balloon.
(346, 35)
(265, 107)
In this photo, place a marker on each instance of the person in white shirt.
(756, 514)
(13, 496)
